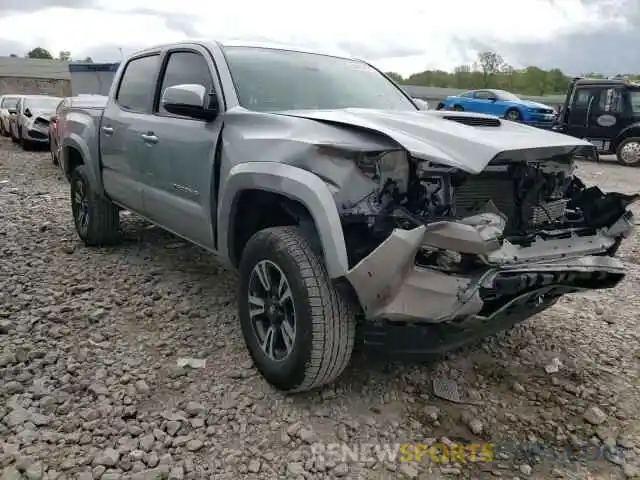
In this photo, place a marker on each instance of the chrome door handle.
(107, 130)
(149, 138)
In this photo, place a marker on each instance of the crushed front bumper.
(515, 280)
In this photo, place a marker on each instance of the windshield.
(503, 95)
(42, 103)
(9, 103)
(273, 80)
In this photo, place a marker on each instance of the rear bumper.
(390, 286)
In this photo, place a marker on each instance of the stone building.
(34, 76)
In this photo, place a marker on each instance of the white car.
(30, 124)
(8, 105)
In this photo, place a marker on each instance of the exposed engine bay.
(536, 200)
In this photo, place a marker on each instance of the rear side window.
(137, 86)
(611, 100)
(186, 68)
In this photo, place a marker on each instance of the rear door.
(609, 114)
(181, 164)
(125, 153)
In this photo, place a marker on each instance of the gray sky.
(407, 36)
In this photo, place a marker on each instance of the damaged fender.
(297, 184)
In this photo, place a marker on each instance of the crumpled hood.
(428, 135)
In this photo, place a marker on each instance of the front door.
(124, 151)
(178, 197)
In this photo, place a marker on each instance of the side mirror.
(27, 112)
(12, 111)
(189, 100)
(422, 104)
(492, 99)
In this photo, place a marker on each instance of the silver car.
(8, 105)
(30, 125)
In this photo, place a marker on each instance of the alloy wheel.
(630, 153)
(81, 206)
(271, 310)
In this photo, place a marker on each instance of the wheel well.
(256, 210)
(73, 159)
(632, 132)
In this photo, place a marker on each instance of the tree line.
(43, 53)
(489, 70)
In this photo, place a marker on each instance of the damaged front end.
(430, 243)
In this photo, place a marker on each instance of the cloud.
(10, 47)
(608, 47)
(407, 36)
(8, 7)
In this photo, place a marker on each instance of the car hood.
(531, 104)
(46, 114)
(434, 136)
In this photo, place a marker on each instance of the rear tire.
(96, 218)
(628, 152)
(315, 345)
(14, 139)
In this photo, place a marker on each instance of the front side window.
(582, 97)
(137, 86)
(186, 68)
(483, 95)
(276, 80)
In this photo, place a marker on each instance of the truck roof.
(605, 81)
(250, 44)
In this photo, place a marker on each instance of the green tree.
(396, 77)
(39, 52)
(65, 55)
(88, 60)
(490, 63)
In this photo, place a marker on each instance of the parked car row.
(34, 120)
(26, 118)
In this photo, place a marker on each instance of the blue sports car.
(502, 104)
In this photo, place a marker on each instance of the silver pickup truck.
(343, 206)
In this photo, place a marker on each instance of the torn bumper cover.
(391, 286)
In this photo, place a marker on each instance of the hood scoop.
(475, 121)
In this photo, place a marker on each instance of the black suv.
(606, 113)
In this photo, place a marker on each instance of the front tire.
(3, 131)
(513, 114)
(300, 333)
(458, 108)
(54, 158)
(628, 152)
(96, 218)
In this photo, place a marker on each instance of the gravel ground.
(90, 342)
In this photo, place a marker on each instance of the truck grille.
(474, 194)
